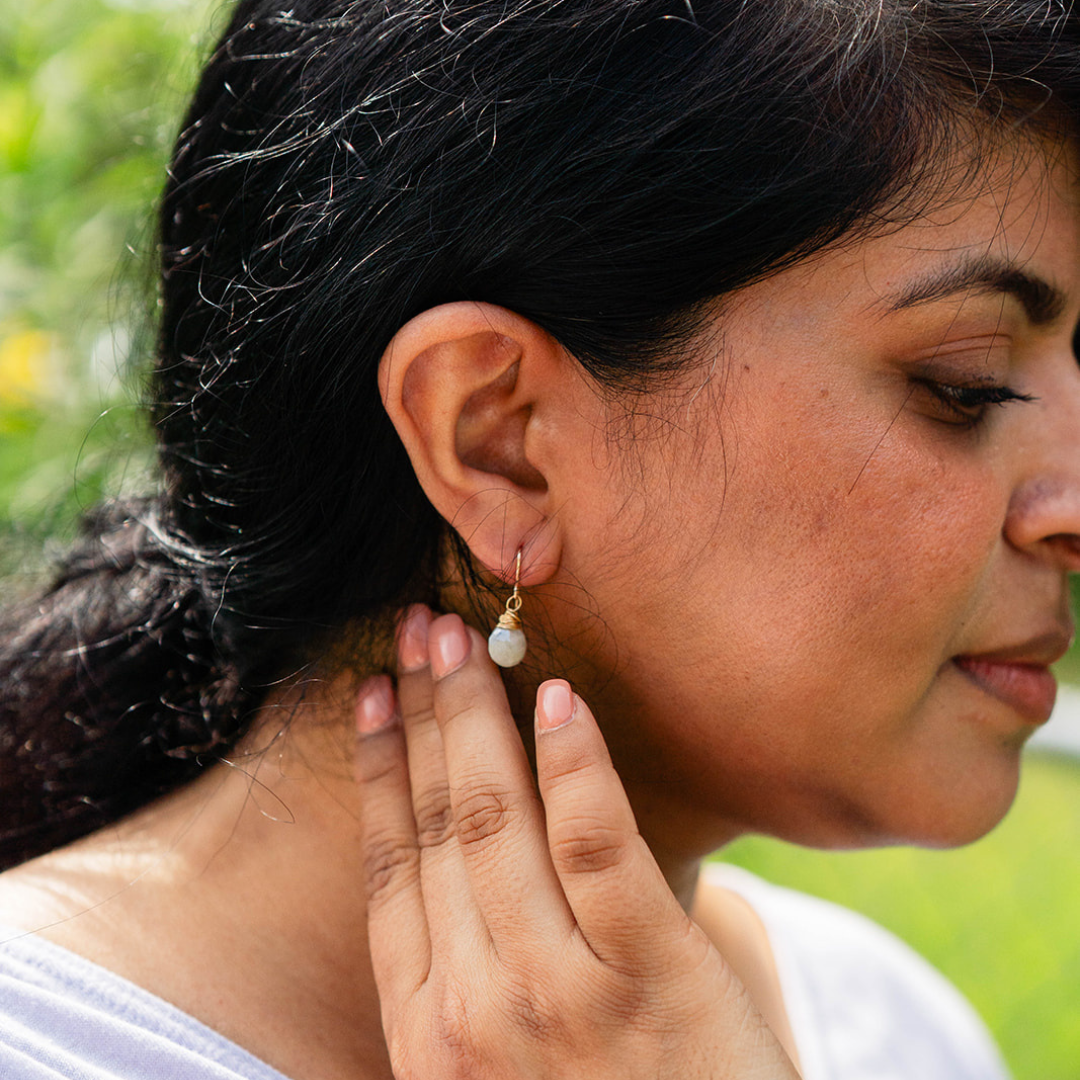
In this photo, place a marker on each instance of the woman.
(736, 340)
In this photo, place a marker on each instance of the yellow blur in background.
(31, 369)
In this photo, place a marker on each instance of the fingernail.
(555, 705)
(449, 645)
(374, 705)
(413, 638)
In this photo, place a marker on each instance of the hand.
(514, 939)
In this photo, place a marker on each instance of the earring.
(506, 645)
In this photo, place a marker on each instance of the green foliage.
(1069, 668)
(90, 97)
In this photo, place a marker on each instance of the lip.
(1019, 675)
(1040, 650)
(1030, 689)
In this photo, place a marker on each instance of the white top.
(65, 1018)
(862, 1006)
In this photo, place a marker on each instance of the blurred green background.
(90, 97)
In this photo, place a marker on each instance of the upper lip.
(1040, 650)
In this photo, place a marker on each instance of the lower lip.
(1029, 688)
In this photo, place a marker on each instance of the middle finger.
(449, 903)
(498, 816)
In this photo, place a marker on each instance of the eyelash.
(968, 405)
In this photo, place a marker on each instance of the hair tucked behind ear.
(601, 167)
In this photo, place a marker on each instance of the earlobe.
(472, 390)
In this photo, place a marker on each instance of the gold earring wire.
(506, 645)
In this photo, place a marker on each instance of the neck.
(239, 899)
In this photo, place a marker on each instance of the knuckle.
(462, 707)
(457, 1040)
(574, 777)
(419, 720)
(482, 812)
(372, 769)
(531, 1012)
(434, 818)
(621, 998)
(586, 847)
(628, 1006)
(448, 1041)
(388, 866)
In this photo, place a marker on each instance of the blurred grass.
(90, 96)
(1069, 667)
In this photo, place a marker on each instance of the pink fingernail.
(413, 638)
(449, 644)
(555, 705)
(374, 705)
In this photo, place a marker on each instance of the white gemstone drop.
(506, 647)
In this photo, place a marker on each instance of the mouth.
(1030, 689)
(1020, 675)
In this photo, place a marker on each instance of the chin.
(951, 784)
(948, 811)
(965, 822)
(927, 807)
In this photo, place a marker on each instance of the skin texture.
(758, 578)
(801, 536)
(496, 946)
(866, 538)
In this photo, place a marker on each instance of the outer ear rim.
(526, 523)
(474, 316)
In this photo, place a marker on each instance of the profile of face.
(830, 563)
(838, 576)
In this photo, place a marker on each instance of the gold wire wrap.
(510, 619)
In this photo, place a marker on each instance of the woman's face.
(832, 573)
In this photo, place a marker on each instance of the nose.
(1044, 512)
(1044, 519)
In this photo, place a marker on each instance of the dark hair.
(602, 167)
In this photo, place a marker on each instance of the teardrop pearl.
(506, 647)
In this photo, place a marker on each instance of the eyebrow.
(1041, 301)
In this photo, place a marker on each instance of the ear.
(480, 399)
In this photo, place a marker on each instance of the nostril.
(1069, 545)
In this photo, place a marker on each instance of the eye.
(965, 405)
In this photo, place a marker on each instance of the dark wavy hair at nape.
(602, 167)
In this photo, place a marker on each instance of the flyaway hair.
(605, 168)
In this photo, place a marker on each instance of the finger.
(597, 852)
(397, 925)
(498, 816)
(455, 923)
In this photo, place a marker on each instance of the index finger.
(599, 855)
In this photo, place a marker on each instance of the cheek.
(787, 641)
(857, 531)
(820, 590)
(883, 568)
